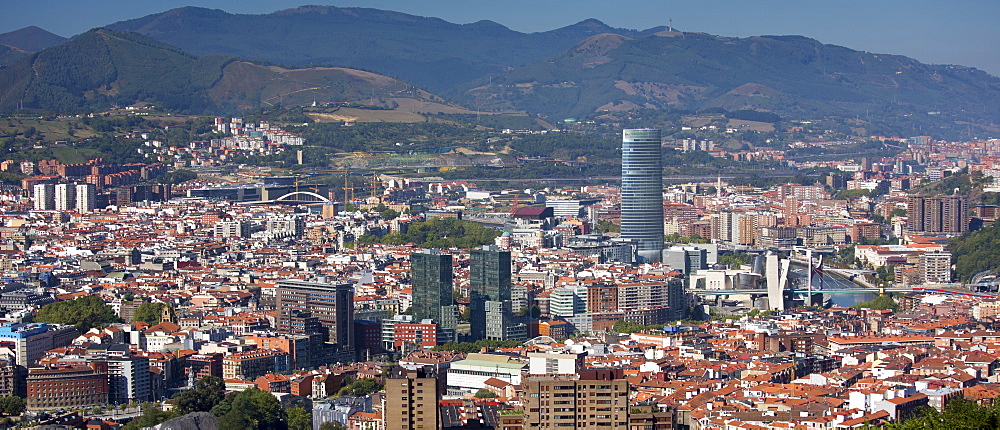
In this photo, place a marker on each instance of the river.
(833, 281)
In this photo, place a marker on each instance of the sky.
(941, 32)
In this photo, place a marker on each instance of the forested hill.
(18, 44)
(429, 52)
(103, 68)
(791, 75)
(31, 39)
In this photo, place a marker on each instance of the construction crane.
(349, 190)
(517, 202)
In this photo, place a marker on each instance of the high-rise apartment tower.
(86, 197)
(45, 197)
(65, 197)
(937, 215)
(411, 400)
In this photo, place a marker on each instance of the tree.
(622, 326)
(250, 408)
(333, 425)
(149, 313)
(466, 314)
(881, 302)
(440, 233)
(897, 212)
(485, 394)
(959, 413)
(360, 387)
(535, 311)
(605, 226)
(735, 260)
(11, 405)
(299, 418)
(846, 254)
(677, 238)
(854, 194)
(207, 393)
(176, 177)
(976, 252)
(150, 417)
(389, 214)
(85, 313)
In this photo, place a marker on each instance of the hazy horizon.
(957, 32)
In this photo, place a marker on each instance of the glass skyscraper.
(642, 191)
(432, 291)
(490, 297)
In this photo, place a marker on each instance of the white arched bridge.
(290, 197)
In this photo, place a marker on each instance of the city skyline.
(681, 231)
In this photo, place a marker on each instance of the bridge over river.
(859, 290)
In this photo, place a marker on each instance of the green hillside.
(429, 52)
(105, 68)
(31, 39)
(789, 75)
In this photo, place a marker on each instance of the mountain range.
(429, 52)
(790, 75)
(210, 59)
(103, 68)
(18, 44)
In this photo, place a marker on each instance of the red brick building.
(67, 387)
(422, 335)
(204, 365)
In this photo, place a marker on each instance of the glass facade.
(489, 294)
(642, 191)
(432, 291)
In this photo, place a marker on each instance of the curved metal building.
(642, 191)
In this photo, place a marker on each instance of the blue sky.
(944, 31)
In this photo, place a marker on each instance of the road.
(118, 414)
(833, 276)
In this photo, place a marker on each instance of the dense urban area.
(610, 229)
(259, 297)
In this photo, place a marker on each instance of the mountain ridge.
(31, 39)
(426, 51)
(17, 44)
(577, 71)
(103, 68)
(789, 75)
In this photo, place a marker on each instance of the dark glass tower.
(303, 306)
(432, 291)
(642, 191)
(489, 295)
